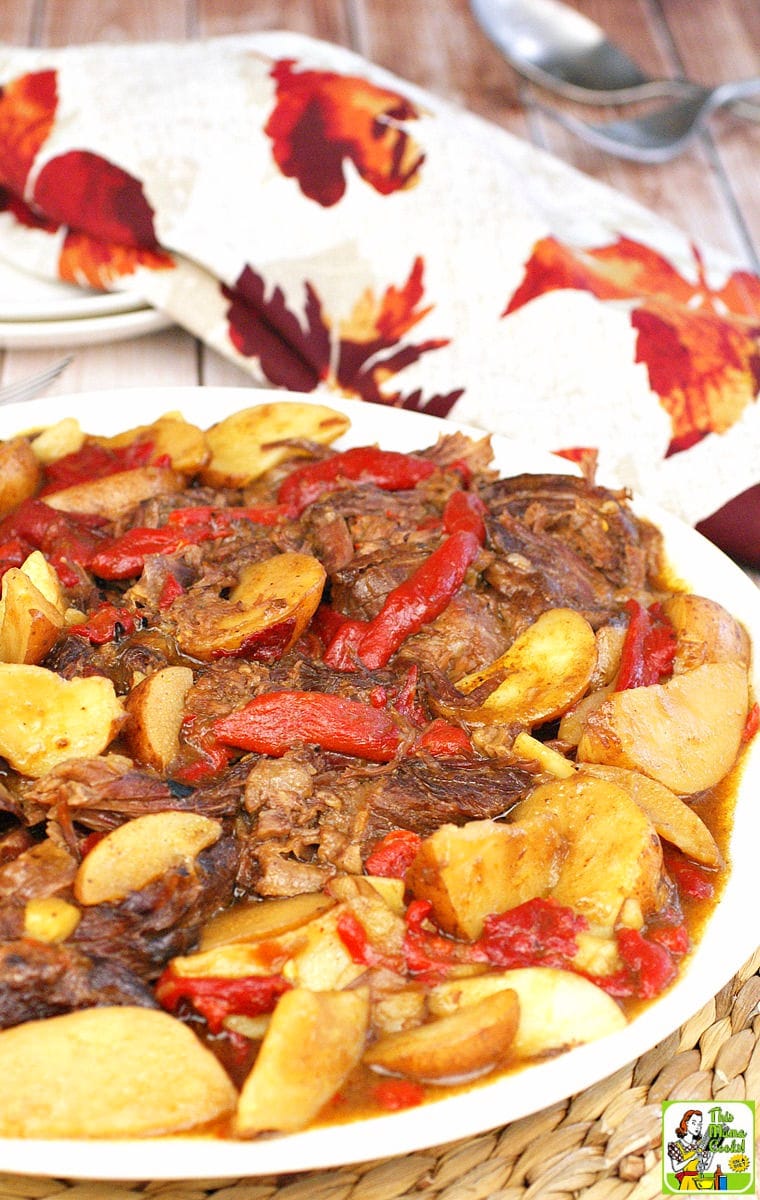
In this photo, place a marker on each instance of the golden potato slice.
(686, 732)
(184, 444)
(558, 1009)
(613, 852)
(114, 494)
(47, 719)
(269, 609)
(56, 441)
(469, 1041)
(249, 442)
(141, 850)
(670, 815)
(469, 871)
(256, 920)
(156, 707)
(108, 1073)
(706, 632)
(545, 670)
(20, 474)
(29, 624)
(314, 1040)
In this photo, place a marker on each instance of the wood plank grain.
(18, 22)
(327, 19)
(74, 22)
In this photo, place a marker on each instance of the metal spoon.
(660, 135)
(554, 46)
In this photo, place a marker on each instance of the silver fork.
(32, 385)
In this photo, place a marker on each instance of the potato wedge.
(266, 612)
(47, 719)
(141, 850)
(706, 632)
(558, 1009)
(686, 732)
(56, 441)
(108, 1072)
(313, 1041)
(468, 1042)
(156, 707)
(670, 815)
(613, 852)
(29, 623)
(114, 494)
(546, 758)
(170, 435)
(257, 920)
(545, 670)
(249, 442)
(469, 871)
(20, 474)
(45, 578)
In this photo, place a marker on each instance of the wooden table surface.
(712, 191)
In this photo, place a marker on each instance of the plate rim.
(725, 945)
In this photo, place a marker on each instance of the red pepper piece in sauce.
(444, 740)
(354, 937)
(105, 624)
(420, 599)
(216, 998)
(171, 589)
(386, 469)
(690, 878)
(539, 932)
(272, 723)
(394, 854)
(396, 1094)
(648, 649)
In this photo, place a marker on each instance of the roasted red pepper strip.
(93, 461)
(386, 469)
(418, 600)
(59, 535)
(216, 998)
(272, 723)
(465, 512)
(124, 557)
(444, 740)
(356, 940)
(258, 514)
(648, 649)
(105, 623)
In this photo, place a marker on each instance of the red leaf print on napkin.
(27, 112)
(95, 196)
(700, 344)
(302, 353)
(321, 118)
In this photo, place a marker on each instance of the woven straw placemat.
(601, 1144)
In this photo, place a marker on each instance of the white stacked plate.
(35, 313)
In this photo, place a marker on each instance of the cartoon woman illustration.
(687, 1154)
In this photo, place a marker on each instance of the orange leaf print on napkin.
(27, 113)
(700, 344)
(321, 118)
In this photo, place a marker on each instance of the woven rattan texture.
(602, 1144)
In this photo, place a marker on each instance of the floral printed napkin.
(330, 227)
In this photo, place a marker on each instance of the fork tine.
(26, 389)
